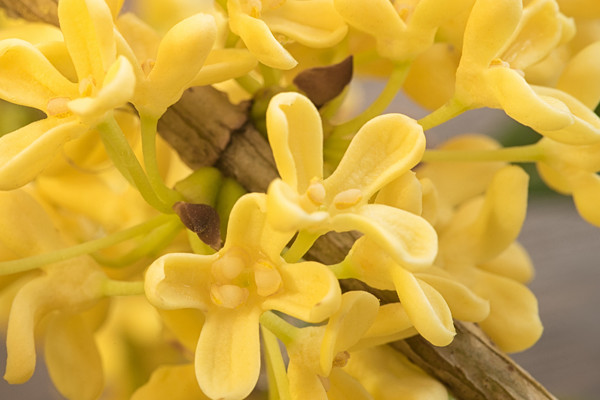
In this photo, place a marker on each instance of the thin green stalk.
(528, 153)
(445, 113)
(156, 240)
(271, 76)
(284, 331)
(127, 163)
(38, 260)
(167, 195)
(122, 288)
(301, 245)
(279, 385)
(249, 84)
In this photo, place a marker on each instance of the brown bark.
(472, 367)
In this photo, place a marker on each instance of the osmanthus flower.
(318, 350)
(27, 77)
(402, 29)
(313, 23)
(233, 288)
(494, 56)
(64, 296)
(478, 248)
(303, 200)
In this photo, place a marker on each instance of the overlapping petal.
(177, 382)
(26, 152)
(228, 353)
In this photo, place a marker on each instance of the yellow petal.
(258, 38)
(539, 32)
(304, 382)
(383, 149)
(89, 34)
(72, 358)
(586, 194)
(228, 353)
(463, 303)
(180, 57)
(356, 314)
(285, 212)
(480, 49)
(296, 137)
(26, 152)
(407, 238)
(482, 229)
(310, 292)
(313, 23)
(392, 323)
(513, 263)
(586, 124)
(117, 89)
(426, 308)
(248, 227)
(540, 111)
(171, 382)
(224, 64)
(404, 192)
(474, 177)
(513, 323)
(389, 375)
(28, 78)
(345, 387)
(377, 18)
(180, 280)
(29, 306)
(25, 227)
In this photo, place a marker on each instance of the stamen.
(316, 193)
(57, 107)
(229, 266)
(267, 278)
(86, 86)
(341, 359)
(228, 296)
(347, 199)
(147, 66)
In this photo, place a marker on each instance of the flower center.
(347, 199)
(237, 276)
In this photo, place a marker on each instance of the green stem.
(343, 133)
(38, 260)
(343, 270)
(156, 240)
(167, 195)
(122, 288)
(520, 154)
(301, 245)
(445, 113)
(284, 331)
(249, 84)
(126, 162)
(279, 385)
(271, 76)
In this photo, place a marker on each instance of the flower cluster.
(146, 277)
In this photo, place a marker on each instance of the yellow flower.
(313, 23)
(403, 29)
(27, 77)
(317, 350)
(478, 248)
(490, 73)
(232, 288)
(383, 149)
(65, 295)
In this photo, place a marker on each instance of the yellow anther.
(267, 279)
(347, 199)
(228, 296)
(230, 265)
(57, 107)
(147, 66)
(316, 193)
(498, 62)
(341, 359)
